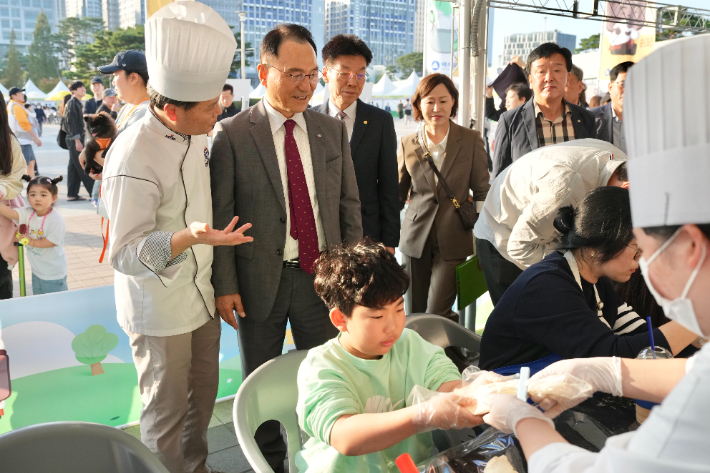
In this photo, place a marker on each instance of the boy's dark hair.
(229, 88)
(76, 85)
(521, 89)
(43, 181)
(361, 273)
(345, 45)
(546, 50)
(271, 43)
(619, 68)
(601, 222)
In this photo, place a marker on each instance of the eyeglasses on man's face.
(313, 77)
(346, 76)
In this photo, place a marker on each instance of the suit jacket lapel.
(426, 167)
(453, 146)
(529, 122)
(317, 152)
(263, 137)
(360, 126)
(610, 124)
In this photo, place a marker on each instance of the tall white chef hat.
(189, 49)
(667, 125)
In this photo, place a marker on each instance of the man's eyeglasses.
(313, 77)
(346, 76)
(637, 253)
(620, 83)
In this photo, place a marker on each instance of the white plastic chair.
(72, 447)
(269, 393)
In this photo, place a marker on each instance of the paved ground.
(83, 244)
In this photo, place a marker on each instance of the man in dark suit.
(286, 170)
(609, 117)
(373, 141)
(226, 103)
(547, 119)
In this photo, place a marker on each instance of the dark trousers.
(5, 280)
(432, 287)
(261, 341)
(75, 173)
(498, 271)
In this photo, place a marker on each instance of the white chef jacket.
(155, 183)
(674, 438)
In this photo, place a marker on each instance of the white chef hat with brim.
(667, 126)
(189, 49)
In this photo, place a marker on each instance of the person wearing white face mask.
(669, 168)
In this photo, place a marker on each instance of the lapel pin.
(579, 121)
(365, 122)
(319, 135)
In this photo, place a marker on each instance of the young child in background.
(353, 391)
(45, 230)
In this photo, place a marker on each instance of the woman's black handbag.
(466, 210)
(62, 135)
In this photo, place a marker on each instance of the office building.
(21, 16)
(419, 31)
(522, 44)
(111, 14)
(83, 8)
(131, 13)
(387, 26)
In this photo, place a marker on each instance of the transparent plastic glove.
(473, 377)
(603, 374)
(445, 411)
(506, 411)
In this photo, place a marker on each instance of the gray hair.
(578, 73)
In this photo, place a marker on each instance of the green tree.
(73, 33)
(102, 50)
(13, 75)
(42, 64)
(92, 347)
(410, 62)
(588, 44)
(248, 52)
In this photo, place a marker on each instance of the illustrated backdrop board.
(70, 360)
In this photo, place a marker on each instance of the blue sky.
(507, 22)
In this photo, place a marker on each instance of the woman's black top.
(545, 312)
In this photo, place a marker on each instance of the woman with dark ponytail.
(565, 306)
(45, 231)
(12, 166)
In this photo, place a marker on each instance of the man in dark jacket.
(93, 104)
(373, 141)
(547, 119)
(73, 126)
(226, 103)
(609, 117)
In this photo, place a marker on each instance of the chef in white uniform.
(667, 125)
(157, 192)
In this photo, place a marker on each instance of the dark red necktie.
(303, 223)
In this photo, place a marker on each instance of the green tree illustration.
(92, 346)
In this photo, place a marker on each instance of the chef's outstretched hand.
(227, 237)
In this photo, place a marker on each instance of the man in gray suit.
(373, 141)
(288, 171)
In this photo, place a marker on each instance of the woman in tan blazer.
(433, 239)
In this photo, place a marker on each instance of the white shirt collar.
(351, 111)
(276, 118)
(613, 112)
(430, 144)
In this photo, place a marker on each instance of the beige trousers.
(178, 378)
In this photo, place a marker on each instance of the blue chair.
(72, 447)
(269, 393)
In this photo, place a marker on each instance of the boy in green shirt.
(353, 391)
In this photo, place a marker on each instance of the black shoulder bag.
(62, 135)
(466, 210)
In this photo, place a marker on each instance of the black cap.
(126, 60)
(97, 79)
(14, 90)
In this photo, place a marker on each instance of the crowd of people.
(293, 216)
